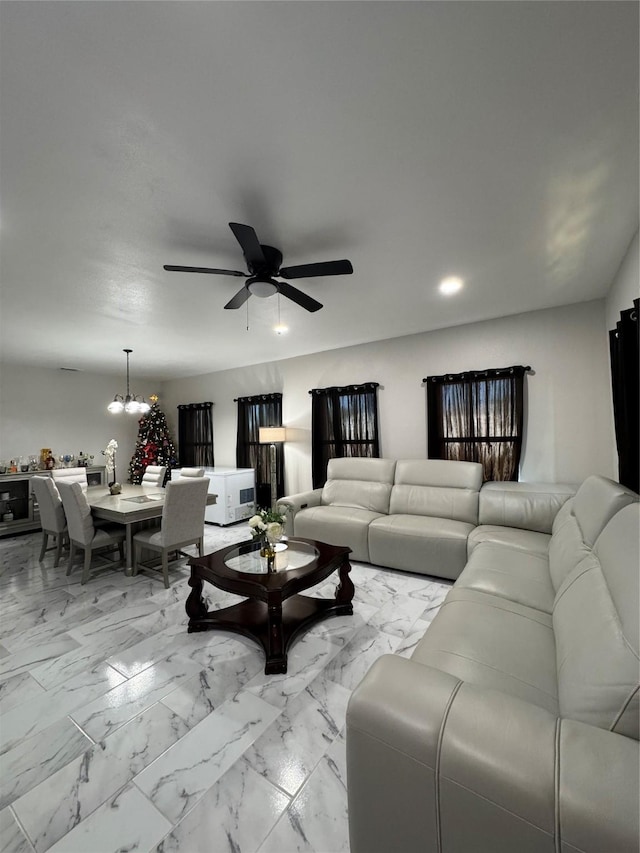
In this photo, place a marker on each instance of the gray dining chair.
(154, 475)
(191, 472)
(52, 517)
(71, 475)
(182, 523)
(83, 534)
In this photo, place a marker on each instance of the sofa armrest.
(292, 504)
(435, 762)
(598, 787)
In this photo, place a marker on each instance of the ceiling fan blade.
(205, 270)
(239, 299)
(324, 268)
(250, 245)
(298, 296)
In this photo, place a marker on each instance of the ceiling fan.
(263, 263)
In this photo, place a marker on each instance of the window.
(344, 422)
(195, 435)
(263, 410)
(477, 417)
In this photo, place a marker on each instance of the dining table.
(131, 507)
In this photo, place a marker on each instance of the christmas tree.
(154, 445)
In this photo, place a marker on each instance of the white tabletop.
(132, 504)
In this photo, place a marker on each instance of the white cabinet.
(236, 491)
(16, 499)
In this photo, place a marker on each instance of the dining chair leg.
(72, 553)
(165, 568)
(59, 546)
(199, 544)
(121, 551)
(45, 539)
(87, 565)
(136, 557)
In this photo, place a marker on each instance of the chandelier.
(131, 403)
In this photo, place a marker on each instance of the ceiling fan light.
(449, 286)
(262, 287)
(143, 407)
(116, 406)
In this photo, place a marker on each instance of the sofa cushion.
(581, 521)
(563, 516)
(510, 572)
(528, 506)
(435, 487)
(337, 525)
(431, 546)
(566, 549)
(595, 620)
(511, 537)
(492, 642)
(597, 500)
(361, 483)
(444, 473)
(357, 493)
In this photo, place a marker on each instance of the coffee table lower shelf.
(274, 629)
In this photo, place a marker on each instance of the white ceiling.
(497, 141)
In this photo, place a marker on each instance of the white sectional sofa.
(514, 725)
(420, 515)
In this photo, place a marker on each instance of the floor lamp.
(272, 436)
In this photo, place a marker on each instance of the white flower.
(257, 523)
(109, 454)
(274, 529)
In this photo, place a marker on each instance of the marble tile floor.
(121, 731)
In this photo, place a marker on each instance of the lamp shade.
(271, 435)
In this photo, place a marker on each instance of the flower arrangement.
(109, 454)
(265, 523)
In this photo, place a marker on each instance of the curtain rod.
(349, 388)
(195, 405)
(492, 371)
(273, 395)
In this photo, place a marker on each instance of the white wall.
(67, 412)
(568, 425)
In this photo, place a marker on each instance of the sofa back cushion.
(437, 488)
(362, 483)
(597, 500)
(595, 622)
(527, 506)
(577, 526)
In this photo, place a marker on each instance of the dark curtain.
(477, 417)
(344, 422)
(195, 435)
(623, 348)
(262, 410)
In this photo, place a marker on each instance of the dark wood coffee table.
(274, 612)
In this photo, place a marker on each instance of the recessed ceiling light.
(280, 329)
(451, 285)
